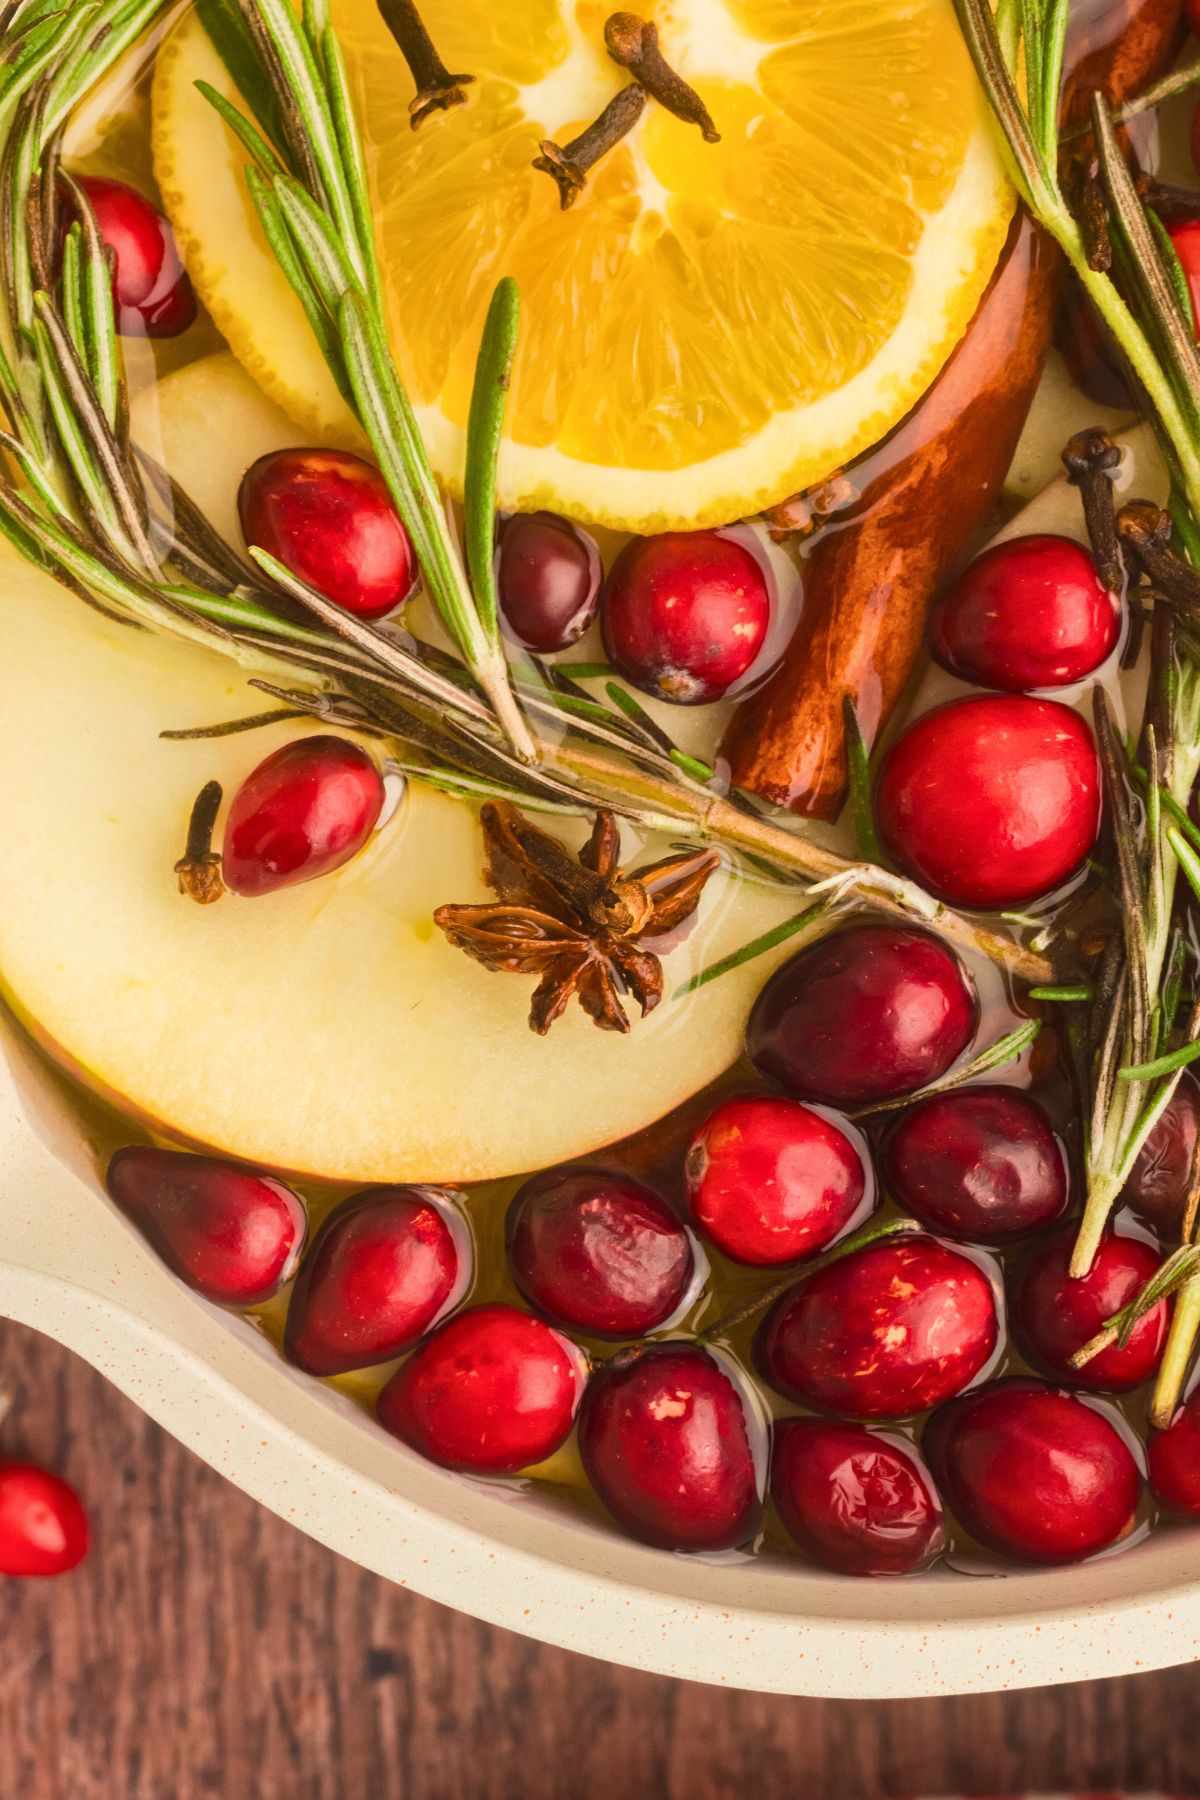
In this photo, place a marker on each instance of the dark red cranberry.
(230, 1233)
(305, 810)
(852, 1499)
(492, 1390)
(992, 801)
(548, 574)
(1192, 10)
(43, 1527)
(981, 1163)
(1195, 137)
(329, 518)
(1173, 1457)
(1186, 238)
(1090, 351)
(1029, 613)
(598, 1252)
(1036, 1474)
(769, 1180)
(1159, 1180)
(152, 294)
(865, 1014)
(882, 1332)
(665, 1441)
(384, 1267)
(685, 614)
(1054, 1316)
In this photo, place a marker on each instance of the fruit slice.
(711, 326)
(325, 1028)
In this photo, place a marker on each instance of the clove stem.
(437, 89)
(633, 44)
(199, 868)
(1091, 459)
(568, 164)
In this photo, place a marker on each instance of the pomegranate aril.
(852, 1499)
(233, 1235)
(304, 811)
(43, 1527)
(685, 615)
(152, 294)
(1173, 1460)
(1053, 1316)
(980, 1163)
(1029, 613)
(548, 574)
(1161, 1175)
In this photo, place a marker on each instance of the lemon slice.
(711, 326)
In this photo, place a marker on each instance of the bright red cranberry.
(492, 1390)
(1029, 613)
(384, 1267)
(304, 811)
(1173, 1458)
(1186, 238)
(1054, 1316)
(329, 518)
(981, 1163)
(1038, 1475)
(853, 1500)
(598, 1252)
(882, 1332)
(43, 1527)
(865, 1014)
(992, 801)
(1161, 1175)
(769, 1180)
(152, 294)
(685, 614)
(230, 1233)
(665, 1441)
(548, 574)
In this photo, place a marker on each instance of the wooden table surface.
(207, 1649)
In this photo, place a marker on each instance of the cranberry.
(492, 1390)
(230, 1233)
(1195, 137)
(305, 810)
(43, 1527)
(881, 1332)
(1161, 1175)
(329, 518)
(1173, 1457)
(769, 1180)
(864, 1015)
(1054, 1316)
(1186, 238)
(856, 1501)
(1029, 613)
(385, 1265)
(1090, 351)
(549, 575)
(991, 801)
(1039, 1475)
(665, 1441)
(685, 614)
(151, 291)
(981, 1163)
(598, 1252)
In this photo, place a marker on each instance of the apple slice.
(327, 1029)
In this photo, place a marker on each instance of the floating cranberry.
(992, 801)
(881, 1332)
(1029, 613)
(43, 1527)
(665, 1441)
(329, 518)
(548, 574)
(1054, 1316)
(492, 1390)
(685, 615)
(152, 294)
(866, 1014)
(1173, 1459)
(1161, 1175)
(769, 1180)
(304, 811)
(598, 1252)
(230, 1233)
(1186, 238)
(852, 1499)
(981, 1163)
(385, 1265)
(1038, 1475)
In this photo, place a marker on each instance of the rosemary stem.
(1181, 1340)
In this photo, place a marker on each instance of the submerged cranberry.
(1039, 1475)
(882, 1332)
(665, 1442)
(685, 614)
(383, 1267)
(1158, 1182)
(1173, 1458)
(548, 574)
(43, 1527)
(230, 1233)
(866, 1014)
(598, 1252)
(852, 1499)
(151, 291)
(1029, 613)
(329, 518)
(1054, 1316)
(1090, 351)
(992, 801)
(304, 811)
(769, 1180)
(492, 1390)
(981, 1163)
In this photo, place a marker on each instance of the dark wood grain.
(208, 1650)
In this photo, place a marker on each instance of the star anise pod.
(576, 921)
